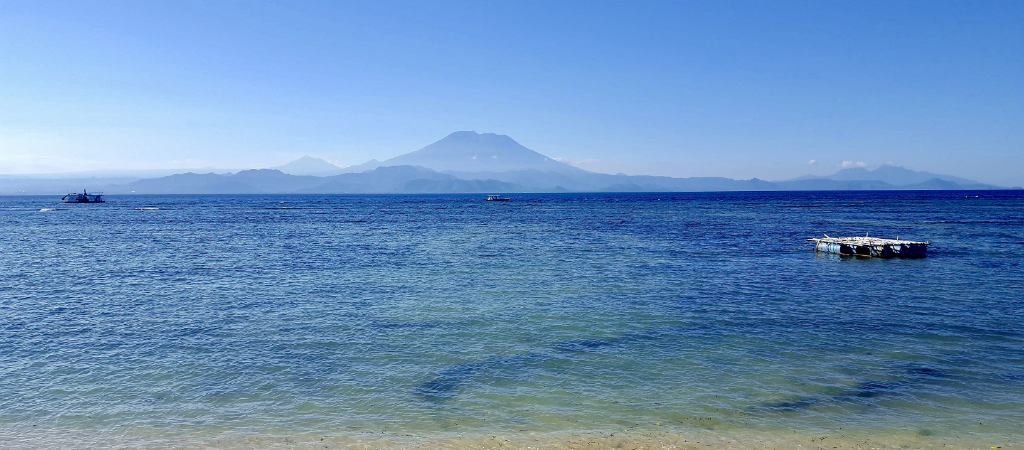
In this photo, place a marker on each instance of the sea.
(618, 320)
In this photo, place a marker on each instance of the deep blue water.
(189, 315)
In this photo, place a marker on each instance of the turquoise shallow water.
(166, 318)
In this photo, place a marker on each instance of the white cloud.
(848, 164)
(494, 157)
(812, 162)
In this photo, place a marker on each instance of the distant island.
(464, 162)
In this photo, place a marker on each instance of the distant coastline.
(462, 162)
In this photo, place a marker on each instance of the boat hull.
(84, 197)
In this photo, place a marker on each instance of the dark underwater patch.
(1012, 376)
(789, 405)
(447, 382)
(927, 372)
(443, 386)
(871, 389)
(581, 345)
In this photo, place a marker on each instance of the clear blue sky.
(683, 88)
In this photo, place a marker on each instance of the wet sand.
(36, 438)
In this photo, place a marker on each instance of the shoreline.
(34, 437)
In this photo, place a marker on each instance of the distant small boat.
(84, 197)
(497, 198)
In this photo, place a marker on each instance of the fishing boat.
(84, 197)
(497, 198)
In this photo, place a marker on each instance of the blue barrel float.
(869, 246)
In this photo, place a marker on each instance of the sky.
(740, 89)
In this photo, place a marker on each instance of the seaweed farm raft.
(869, 246)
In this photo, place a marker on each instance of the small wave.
(48, 209)
(148, 209)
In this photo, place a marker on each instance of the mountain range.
(466, 161)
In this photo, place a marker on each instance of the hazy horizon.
(739, 90)
(578, 164)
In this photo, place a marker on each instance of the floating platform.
(869, 246)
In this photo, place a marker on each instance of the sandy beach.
(649, 438)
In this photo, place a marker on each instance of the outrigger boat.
(84, 197)
(497, 198)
